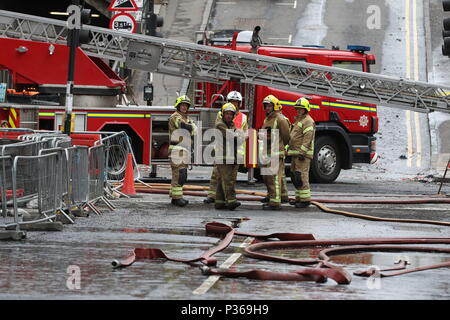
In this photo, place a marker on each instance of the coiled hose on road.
(323, 268)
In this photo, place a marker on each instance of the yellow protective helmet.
(183, 99)
(272, 99)
(303, 103)
(228, 107)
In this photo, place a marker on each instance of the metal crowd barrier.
(46, 168)
(38, 182)
(55, 139)
(97, 177)
(6, 192)
(78, 171)
(25, 148)
(117, 148)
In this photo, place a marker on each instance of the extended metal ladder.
(211, 64)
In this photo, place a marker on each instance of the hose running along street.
(196, 191)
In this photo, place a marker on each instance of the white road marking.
(208, 283)
(410, 138)
(416, 77)
(415, 69)
(293, 4)
(408, 76)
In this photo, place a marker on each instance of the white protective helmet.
(234, 95)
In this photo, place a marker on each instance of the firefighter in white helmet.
(179, 149)
(226, 155)
(240, 122)
(301, 148)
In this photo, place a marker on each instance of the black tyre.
(327, 161)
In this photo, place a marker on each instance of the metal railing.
(38, 183)
(117, 147)
(97, 177)
(49, 176)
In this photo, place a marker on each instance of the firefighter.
(273, 180)
(240, 122)
(179, 149)
(301, 148)
(284, 186)
(226, 159)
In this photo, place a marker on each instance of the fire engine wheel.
(326, 165)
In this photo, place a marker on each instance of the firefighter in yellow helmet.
(181, 128)
(240, 122)
(301, 148)
(226, 159)
(284, 186)
(272, 171)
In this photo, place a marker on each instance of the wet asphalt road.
(37, 267)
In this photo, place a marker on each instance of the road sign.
(123, 22)
(123, 5)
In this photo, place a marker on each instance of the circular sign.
(123, 22)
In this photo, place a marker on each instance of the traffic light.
(148, 93)
(78, 35)
(152, 21)
(85, 19)
(446, 30)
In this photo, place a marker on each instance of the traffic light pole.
(74, 35)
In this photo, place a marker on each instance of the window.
(349, 65)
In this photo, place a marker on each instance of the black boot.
(179, 202)
(292, 202)
(267, 206)
(220, 206)
(208, 200)
(234, 205)
(302, 204)
(285, 200)
(265, 200)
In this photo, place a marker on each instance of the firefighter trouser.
(178, 163)
(284, 187)
(300, 178)
(226, 182)
(274, 182)
(213, 183)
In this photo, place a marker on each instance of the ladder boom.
(205, 63)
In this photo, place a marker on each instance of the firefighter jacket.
(301, 142)
(230, 145)
(179, 120)
(273, 122)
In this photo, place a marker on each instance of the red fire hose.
(321, 206)
(322, 270)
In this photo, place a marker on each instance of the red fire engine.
(36, 73)
(345, 129)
